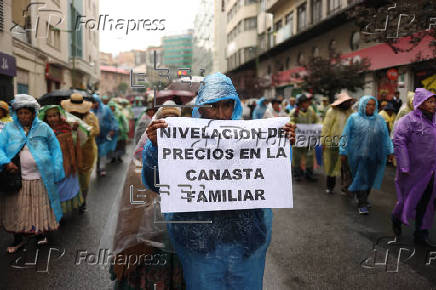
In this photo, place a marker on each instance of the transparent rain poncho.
(107, 123)
(229, 252)
(366, 142)
(45, 149)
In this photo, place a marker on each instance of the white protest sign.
(307, 135)
(224, 165)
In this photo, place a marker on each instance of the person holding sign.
(334, 123)
(303, 114)
(229, 252)
(366, 147)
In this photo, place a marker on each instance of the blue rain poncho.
(45, 149)
(366, 142)
(228, 253)
(260, 109)
(107, 123)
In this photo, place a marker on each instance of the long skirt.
(28, 211)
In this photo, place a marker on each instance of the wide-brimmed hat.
(167, 110)
(4, 106)
(341, 98)
(76, 103)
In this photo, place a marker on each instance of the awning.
(382, 56)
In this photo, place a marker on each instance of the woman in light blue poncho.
(228, 253)
(260, 109)
(366, 145)
(35, 209)
(108, 128)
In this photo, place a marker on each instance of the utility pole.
(73, 46)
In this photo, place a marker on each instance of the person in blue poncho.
(108, 128)
(261, 106)
(35, 209)
(228, 253)
(366, 145)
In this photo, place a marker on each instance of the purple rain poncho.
(415, 150)
(366, 143)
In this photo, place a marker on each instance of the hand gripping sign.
(224, 165)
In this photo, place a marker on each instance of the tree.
(327, 76)
(122, 87)
(387, 22)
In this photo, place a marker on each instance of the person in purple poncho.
(415, 150)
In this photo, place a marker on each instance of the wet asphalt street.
(320, 244)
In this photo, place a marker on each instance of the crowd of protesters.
(47, 156)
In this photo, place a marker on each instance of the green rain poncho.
(123, 122)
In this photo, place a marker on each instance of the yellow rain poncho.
(407, 107)
(334, 123)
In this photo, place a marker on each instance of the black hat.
(301, 98)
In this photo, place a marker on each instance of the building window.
(355, 40)
(334, 5)
(53, 37)
(250, 23)
(1, 15)
(223, 5)
(278, 25)
(302, 20)
(248, 2)
(332, 45)
(316, 11)
(289, 18)
(22, 88)
(301, 60)
(315, 52)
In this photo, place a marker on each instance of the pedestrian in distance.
(69, 188)
(108, 128)
(334, 123)
(303, 114)
(80, 108)
(366, 150)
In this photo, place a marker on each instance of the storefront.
(53, 76)
(425, 76)
(8, 70)
(387, 83)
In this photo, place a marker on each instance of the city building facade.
(49, 53)
(177, 50)
(303, 29)
(203, 39)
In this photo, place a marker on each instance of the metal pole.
(73, 48)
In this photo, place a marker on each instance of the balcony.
(284, 33)
(270, 5)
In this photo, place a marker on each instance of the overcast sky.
(179, 15)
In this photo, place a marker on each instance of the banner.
(207, 165)
(308, 135)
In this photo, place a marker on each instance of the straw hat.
(340, 98)
(165, 111)
(76, 104)
(4, 106)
